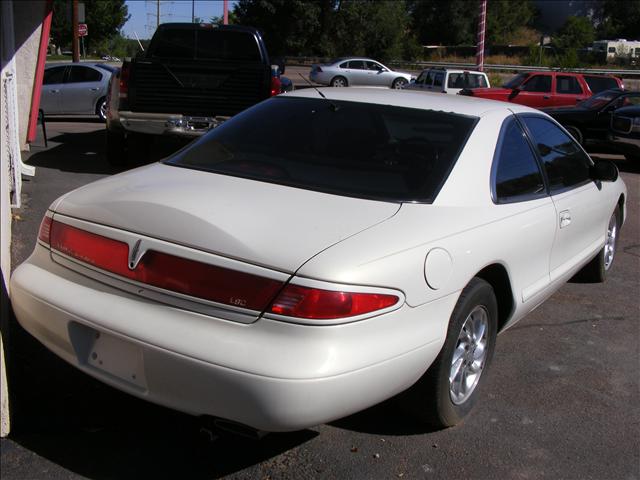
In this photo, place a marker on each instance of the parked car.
(625, 131)
(286, 278)
(350, 72)
(589, 121)
(548, 89)
(76, 88)
(447, 80)
(191, 78)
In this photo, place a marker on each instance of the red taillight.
(314, 303)
(45, 229)
(124, 80)
(169, 272)
(276, 86)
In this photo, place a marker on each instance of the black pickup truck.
(190, 79)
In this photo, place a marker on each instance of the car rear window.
(347, 148)
(600, 84)
(209, 44)
(466, 80)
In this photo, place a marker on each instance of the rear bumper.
(271, 375)
(164, 123)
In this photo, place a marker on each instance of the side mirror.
(604, 170)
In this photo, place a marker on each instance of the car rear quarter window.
(600, 84)
(347, 148)
(567, 85)
(83, 74)
(516, 174)
(53, 75)
(565, 163)
(538, 83)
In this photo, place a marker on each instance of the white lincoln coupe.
(319, 253)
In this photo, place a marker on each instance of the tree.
(505, 17)
(577, 32)
(288, 26)
(104, 19)
(619, 19)
(435, 22)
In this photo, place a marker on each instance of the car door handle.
(95, 89)
(546, 97)
(54, 91)
(565, 218)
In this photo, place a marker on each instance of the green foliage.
(504, 17)
(104, 19)
(451, 22)
(619, 19)
(577, 32)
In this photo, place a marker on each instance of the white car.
(282, 278)
(358, 72)
(447, 80)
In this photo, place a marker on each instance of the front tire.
(449, 389)
(597, 269)
(399, 83)
(339, 82)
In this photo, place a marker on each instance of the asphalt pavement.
(561, 400)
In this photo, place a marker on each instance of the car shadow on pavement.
(93, 430)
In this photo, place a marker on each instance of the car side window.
(422, 78)
(373, 66)
(538, 83)
(357, 64)
(53, 75)
(83, 74)
(429, 81)
(627, 100)
(438, 79)
(565, 163)
(517, 176)
(567, 84)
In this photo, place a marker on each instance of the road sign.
(83, 31)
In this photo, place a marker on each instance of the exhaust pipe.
(232, 427)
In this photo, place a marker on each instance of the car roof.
(459, 104)
(345, 59)
(454, 70)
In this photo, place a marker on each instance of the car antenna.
(334, 107)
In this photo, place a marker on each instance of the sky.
(143, 14)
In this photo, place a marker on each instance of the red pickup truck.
(547, 89)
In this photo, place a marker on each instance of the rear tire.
(339, 82)
(448, 390)
(597, 269)
(101, 109)
(575, 133)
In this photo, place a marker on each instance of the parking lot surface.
(562, 399)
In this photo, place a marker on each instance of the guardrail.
(635, 73)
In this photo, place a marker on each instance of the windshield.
(598, 101)
(347, 148)
(516, 81)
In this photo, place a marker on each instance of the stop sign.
(82, 30)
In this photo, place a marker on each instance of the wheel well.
(100, 100)
(497, 276)
(621, 208)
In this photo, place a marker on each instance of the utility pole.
(482, 26)
(157, 13)
(225, 7)
(193, 11)
(74, 26)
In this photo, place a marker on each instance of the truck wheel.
(117, 151)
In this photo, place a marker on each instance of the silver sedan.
(346, 72)
(79, 88)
